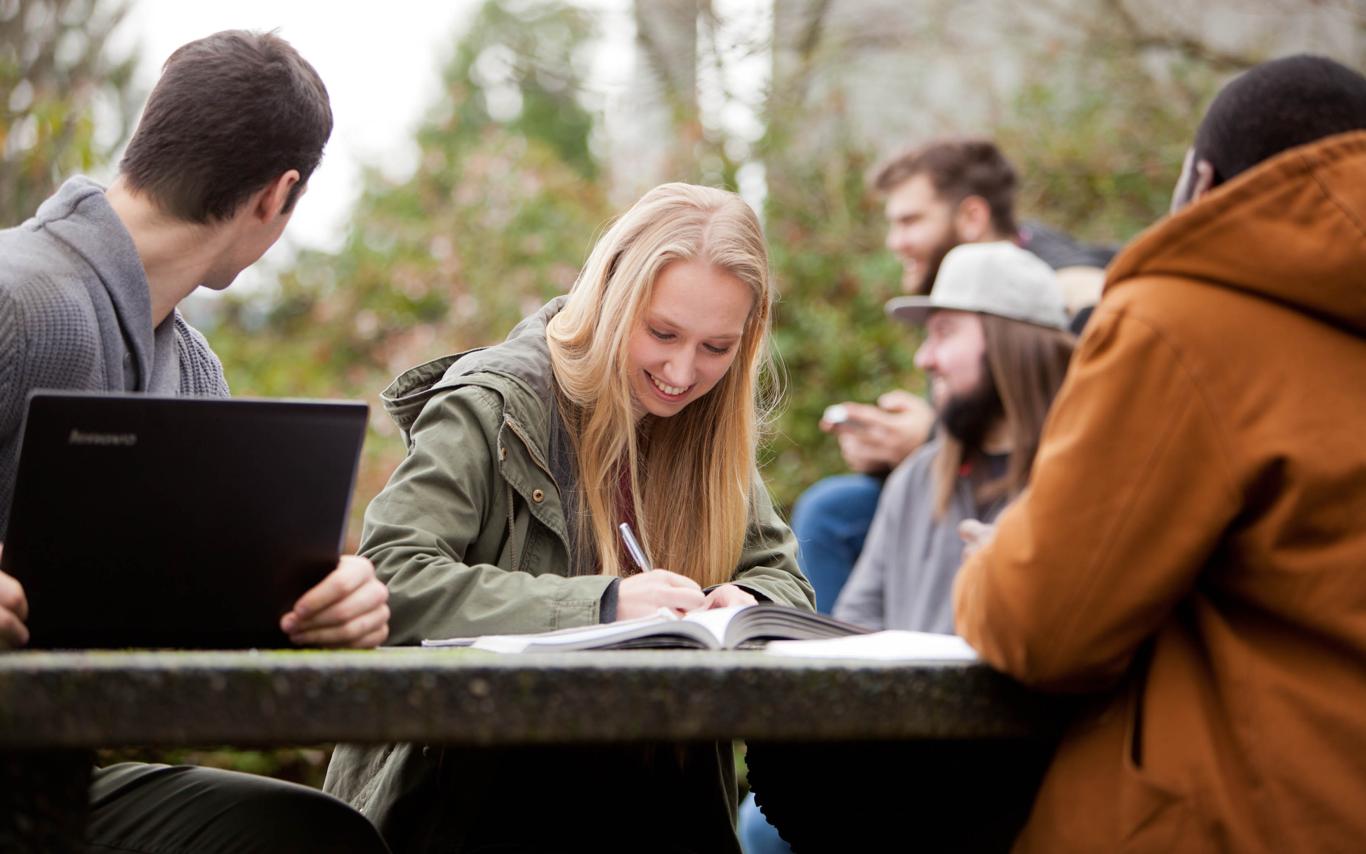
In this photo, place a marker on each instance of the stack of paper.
(881, 646)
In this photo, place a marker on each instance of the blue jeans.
(757, 836)
(831, 520)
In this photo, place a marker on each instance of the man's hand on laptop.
(13, 611)
(348, 608)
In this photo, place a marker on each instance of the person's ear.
(272, 199)
(1204, 179)
(1197, 179)
(972, 220)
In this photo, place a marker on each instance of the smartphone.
(838, 415)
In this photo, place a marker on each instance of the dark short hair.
(1276, 106)
(959, 168)
(231, 113)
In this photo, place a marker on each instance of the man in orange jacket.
(1193, 542)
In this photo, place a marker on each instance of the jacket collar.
(517, 369)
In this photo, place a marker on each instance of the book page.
(715, 620)
(752, 626)
(578, 636)
(881, 646)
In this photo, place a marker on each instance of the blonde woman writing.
(633, 399)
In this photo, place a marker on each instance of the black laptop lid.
(143, 521)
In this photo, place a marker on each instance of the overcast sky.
(381, 64)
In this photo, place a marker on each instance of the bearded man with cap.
(995, 351)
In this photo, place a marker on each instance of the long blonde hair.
(692, 476)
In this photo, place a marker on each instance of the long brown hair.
(1027, 363)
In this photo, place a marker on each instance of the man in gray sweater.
(88, 294)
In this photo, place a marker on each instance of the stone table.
(57, 707)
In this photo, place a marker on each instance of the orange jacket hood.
(1292, 229)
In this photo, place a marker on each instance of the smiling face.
(952, 355)
(687, 337)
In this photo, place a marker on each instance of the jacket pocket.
(1152, 816)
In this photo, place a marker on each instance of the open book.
(740, 627)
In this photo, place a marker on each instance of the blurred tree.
(825, 235)
(496, 219)
(834, 341)
(58, 81)
(1099, 129)
(694, 75)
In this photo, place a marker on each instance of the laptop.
(143, 521)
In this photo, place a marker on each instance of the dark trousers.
(920, 796)
(164, 809)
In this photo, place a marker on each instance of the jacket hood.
(1292, 229)
(519, 364)
(81, 217)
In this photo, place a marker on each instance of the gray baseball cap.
(990, 278)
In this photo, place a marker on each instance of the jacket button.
(537, 495)
(503, 453)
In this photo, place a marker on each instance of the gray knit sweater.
(76, 313)
(904, 576)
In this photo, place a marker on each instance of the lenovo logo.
(108, 440)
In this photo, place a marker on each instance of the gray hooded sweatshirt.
(76, 314)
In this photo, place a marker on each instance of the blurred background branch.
(66, 99)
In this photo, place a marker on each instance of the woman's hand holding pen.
(642, 594)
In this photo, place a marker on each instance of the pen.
(633, 546)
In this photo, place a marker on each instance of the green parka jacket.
(471, 536)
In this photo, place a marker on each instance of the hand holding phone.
(838, 415)
(877, 438)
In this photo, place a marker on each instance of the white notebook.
(880, 646)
